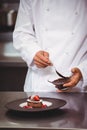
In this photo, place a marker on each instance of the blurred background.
(12, 68)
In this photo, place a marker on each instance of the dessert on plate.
(34, 101)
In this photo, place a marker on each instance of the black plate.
(54, 104)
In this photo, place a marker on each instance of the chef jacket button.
(72, 33)
(76, 13)
(47, 9)
(46, 29)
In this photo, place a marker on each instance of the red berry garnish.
(44, 105)
(27, 107)
(36, 98)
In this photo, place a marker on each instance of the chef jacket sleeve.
(24, 39)
(83, 64)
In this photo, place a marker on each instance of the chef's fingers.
(44, 59)
(40, 61)
(46, 54)
(40, 65)
(76, 71)
(39, 57)
(75, 78)
(71, 83)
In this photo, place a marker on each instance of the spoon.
(58, 73)
(65, 77)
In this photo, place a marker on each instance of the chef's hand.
(41, 59)
(74, 79)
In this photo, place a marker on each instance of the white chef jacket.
(58, 27)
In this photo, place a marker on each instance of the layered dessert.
(34, 101)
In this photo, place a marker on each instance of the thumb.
(74, 70)
(46, 54)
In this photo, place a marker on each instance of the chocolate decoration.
(59, 83)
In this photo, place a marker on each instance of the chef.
(52, 34)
